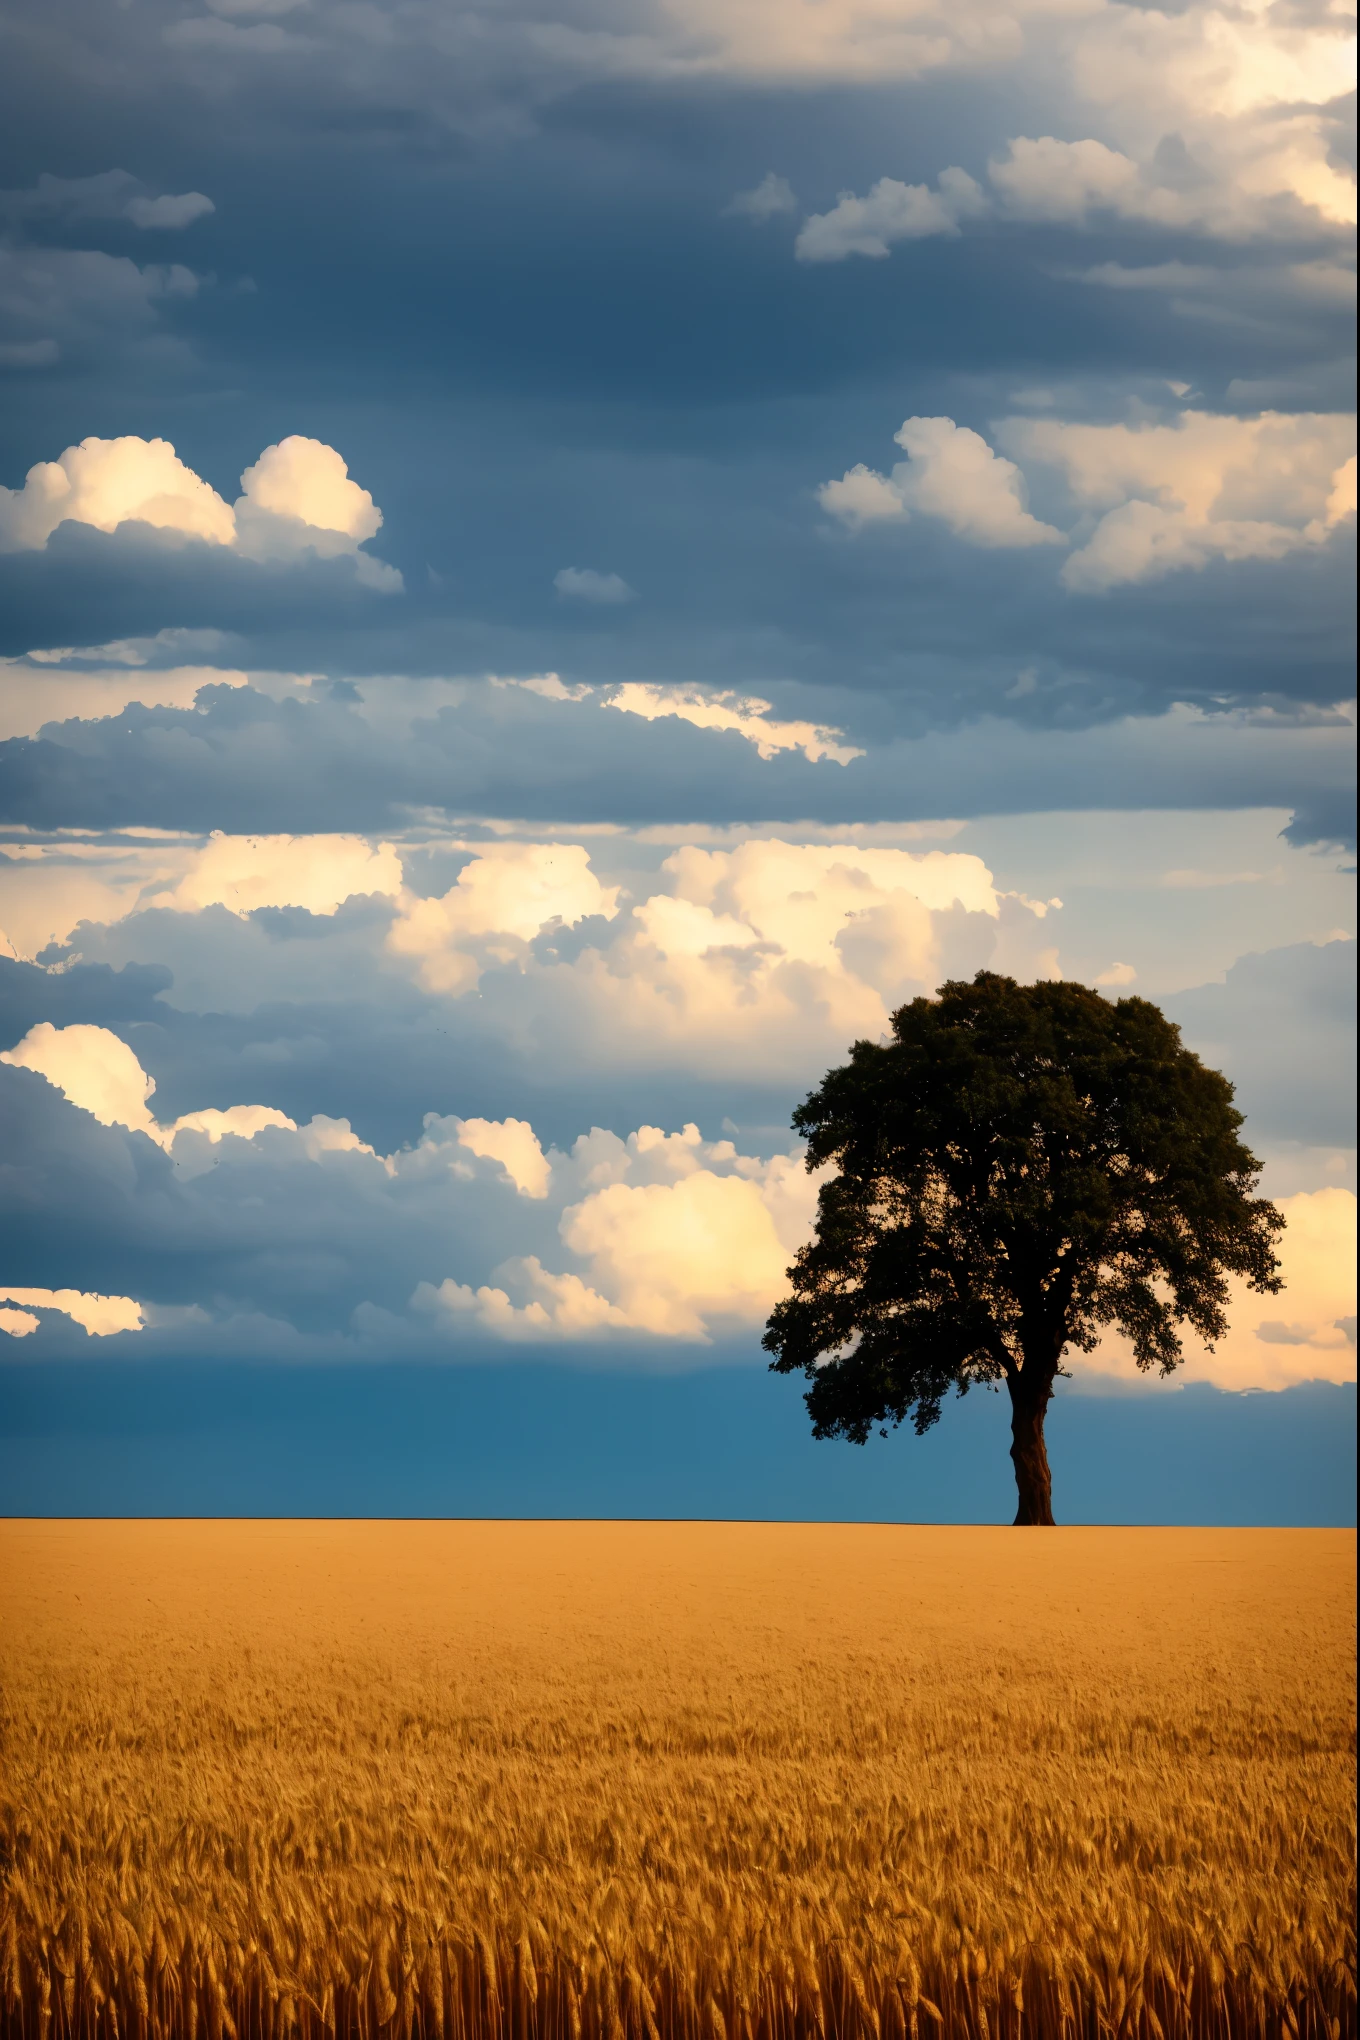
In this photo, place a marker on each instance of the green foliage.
(1019, 1167)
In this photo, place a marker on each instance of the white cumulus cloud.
(1174, 496)
(862, 496)
(297, 498)
(760, 957)
(890, 212)
(108, 482)
(93, 1067)
(1206, 118)
(313, 872)
(499, 903)
(1150, 498)
(952, 474)
(514, 1144)
(95, 1070)
(675, 1237)
(1049, 180)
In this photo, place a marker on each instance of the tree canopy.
(1017, 1168)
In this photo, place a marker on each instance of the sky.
(558, 563)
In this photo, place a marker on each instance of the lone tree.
(1018, 1167)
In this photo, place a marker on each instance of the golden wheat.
(675, 1782)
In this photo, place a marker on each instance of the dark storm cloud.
(495, 271)
(741, 581)
(295, 1254)
(87, 994)
(243, 762)
(87, 587)
(382, 1060)
(266, 1228)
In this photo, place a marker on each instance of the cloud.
(1203, 487)
(170, 209)
(82, 303)
(312, 872)
(762, 41)
(558, 1306)
(747, 716)
(241, 1121)
(1040, 180)
(159, 648)
(1283, 1024)
(673, 407)
(1215, 121)
(305, 758)
(678, 1256)
(754, 962)
(308, 482)
(891, 212)
(657, 1236)
(953, 475)
(704, 990)
(108, 482)
(514, 1144)
(862, 496)
(1304, 1334)
(93, 1068)
(696, 1247)
(1063, 182)
(654, 1237)
(110, 195)
(499, 903)
(99, 1316)
(96, 1071)
(419, 56)
(771, 196)
(1250, 97)
(47, 889)
(1174, 496)
(731, 974)
(296, 499)
(29, 698)
(584, 584)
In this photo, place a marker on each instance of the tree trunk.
(1029, 1454)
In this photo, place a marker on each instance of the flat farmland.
(649, 1781)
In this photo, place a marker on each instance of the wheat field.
(583, 1781)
